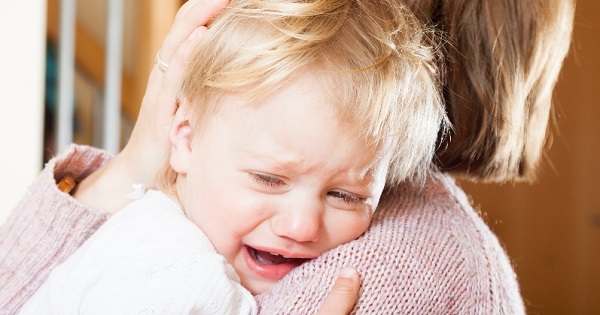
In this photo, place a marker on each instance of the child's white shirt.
(146, 259)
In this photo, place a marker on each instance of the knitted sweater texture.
(426, 252)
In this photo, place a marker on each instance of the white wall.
(22, 62)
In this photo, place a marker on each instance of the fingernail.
(348, 272)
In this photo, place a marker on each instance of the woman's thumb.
(343, 295)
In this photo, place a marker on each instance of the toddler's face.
(277, 183)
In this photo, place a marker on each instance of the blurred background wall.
(22, 47)
(550, 229)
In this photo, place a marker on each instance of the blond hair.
(375, 58)
(502, 60)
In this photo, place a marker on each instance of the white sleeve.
(144, 261)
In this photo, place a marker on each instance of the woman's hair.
(502, 60)
(374, 58)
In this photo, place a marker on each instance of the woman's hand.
(343, 295)
(148, 146)
(149, 142)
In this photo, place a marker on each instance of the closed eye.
(267, 180)
(347, 198)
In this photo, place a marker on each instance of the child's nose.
(300, 221)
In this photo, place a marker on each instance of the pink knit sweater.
(426, 252)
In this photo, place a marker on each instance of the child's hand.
(343, 295)
(148, 146)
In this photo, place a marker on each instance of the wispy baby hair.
(373, 57)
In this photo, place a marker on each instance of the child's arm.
(148, 258)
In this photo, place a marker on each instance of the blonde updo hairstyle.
(375, 58)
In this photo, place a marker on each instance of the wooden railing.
(153, 21)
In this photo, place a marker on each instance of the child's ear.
(180, 137)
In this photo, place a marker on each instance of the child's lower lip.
(275, 272)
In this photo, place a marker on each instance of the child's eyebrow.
(275, 163)
(286, 165)
(283, 165)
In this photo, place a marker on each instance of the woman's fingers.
(176, 50)
(343, 295)
(193, 14)
(172, 78)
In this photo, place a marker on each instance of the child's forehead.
(307, 85)
(318, 88)
(304, 96)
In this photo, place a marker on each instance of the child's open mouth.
(270, 265)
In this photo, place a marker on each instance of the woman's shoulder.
(438, 208)
(447, 246)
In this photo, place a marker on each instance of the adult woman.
(440, 256)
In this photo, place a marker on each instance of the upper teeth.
(274, 254)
